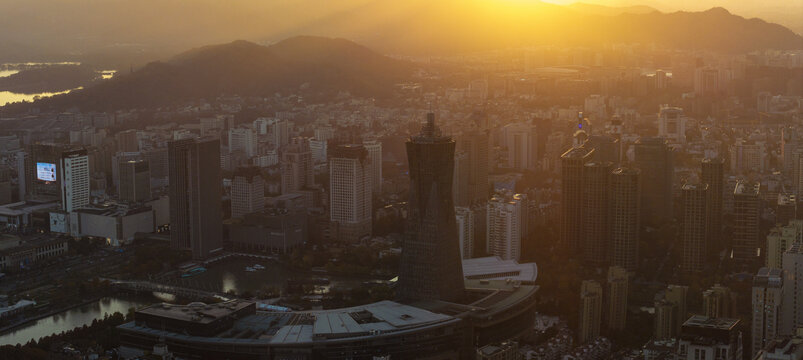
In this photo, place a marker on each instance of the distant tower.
(296, 166)
(430, 265)
(695, 198)
(655, 159)
(135, 181)
(74, 177)
(507, 224)
(717, 302)
(247, 192)
(374, 148)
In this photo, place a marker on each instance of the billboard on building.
(46, 171)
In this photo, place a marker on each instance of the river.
(73, 318)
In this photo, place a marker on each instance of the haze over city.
(367, 179)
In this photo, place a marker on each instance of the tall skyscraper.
(430, 264)
(655, 159)
(713, 175)
(746, 219)
(297, 169)
(195, 204)
(779, 240)
(572, 164)
(350, 205)
(374, 148)
(474, 141)
(74, 175)
(595, 218)
(465, 231)
(243, 139)
(717, 302)
(617, 298)
(793, 289)
(590, 311)
(767, 311)
(625, 217)
(695, 197)
(135, 181)
(506, 224)
(247, 192)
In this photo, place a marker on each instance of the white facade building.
(465, 231)
(75, 184)
(506, 225)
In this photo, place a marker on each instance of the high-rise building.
(247, 192)
(664, 320)
(779, 240)
(430, 264)
(746, 219)
(297, 169)
(617, 298)
(42, 161)
(474, 141)
(572, 165)
(465, 231)
(695, 198)
(506, 224)
(655, 159)
(710, 338)
(672, 124)
(595, 218)
(590, 311)
(713, 175)
(706, 81)
(747, 156)
(717, 301)
(243, 139)
(127, 141)
(74, 175)
(606, 148)
(135, 181)
(350, 192)
(374, 148)
(767, 310)
(625, 217)
(793, 289)
(522, 144)
(318, 149)
(462, 167)
(195, 192)
(676, 294)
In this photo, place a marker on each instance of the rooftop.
(701, 321)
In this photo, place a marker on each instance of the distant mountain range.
(307, 65)
(122, 32)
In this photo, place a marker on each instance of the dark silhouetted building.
(135, 181)
(746, 219)
(713, 175)
(571, 166)
(430, 263)
(625, 217)
(695, 199)
(596, 213)
(655, 159)
(195, 205)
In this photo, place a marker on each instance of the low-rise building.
(18, 253)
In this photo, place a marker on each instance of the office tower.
(695, 197)
(746, 218)
(572, 164)
(506, 224)
(606, 148)
(655, 159)
(676, 294)
(318, 149)
(462, 167)
(713, 175)
(260, 126)
(672, 124)
(158, 164)
(297, 169)
(779, 240)
(135, 181)
(195, 204)
(243, 139)
(465, 231)
(430, 262)
(785, 209)
(767, 311)
(350, 192)
(590, 311)
(793, 289)
(706, 81)
(717, 301)
(522, 145)
(374, 148)
(247, 192)
(617, 298)
(127, 141)
(595, 220)
(664, 320)
(710, 338)
(74, 174)
(625, 217)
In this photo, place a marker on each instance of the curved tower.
(430, 265)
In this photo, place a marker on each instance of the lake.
(7, 97)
